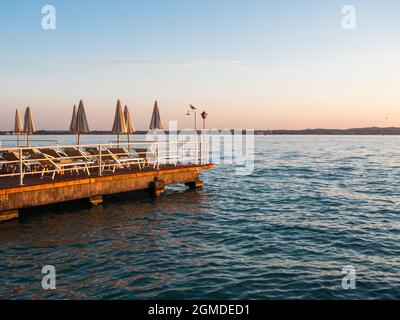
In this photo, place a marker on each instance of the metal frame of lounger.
(169, 157)
(2, 163)
(116, 162)
(106, 157)
(13, 161)
(125, 158)
(36, 158)
(42, 163)
(61, 166)
(157, 158)
(50, 152)
(10, 161)
(76, 154)
(146, 152)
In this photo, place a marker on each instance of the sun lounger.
(124, 158)
(59, 166)
(76, 154)
(53, 153)
(149, 157)
(170, 156)
(153, 158)
(107, 158)
(12, 162)
(34, 158)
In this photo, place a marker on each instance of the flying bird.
(193, 107)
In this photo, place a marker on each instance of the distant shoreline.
(352, 131)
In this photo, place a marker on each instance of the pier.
(37, 176)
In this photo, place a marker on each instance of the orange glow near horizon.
(272, 68)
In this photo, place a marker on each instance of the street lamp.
(193, 109)
(203, 145)
(204, 116)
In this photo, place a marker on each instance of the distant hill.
(65, 132)
(352, 131)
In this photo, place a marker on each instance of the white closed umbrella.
(82, 125)
(18, 127)
(29, 125)
(119, 126)
(130, 129)
(72, 126)
(156, 124)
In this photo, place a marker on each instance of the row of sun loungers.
(73, 160)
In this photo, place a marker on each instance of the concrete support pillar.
(8, 215)
(194, 184)
(96, 200)
(156, 187)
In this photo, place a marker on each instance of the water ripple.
(312, 206)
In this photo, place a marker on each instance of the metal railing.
(97, 159)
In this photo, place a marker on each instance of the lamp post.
(203, 146)
(193, 109)
(204, 116)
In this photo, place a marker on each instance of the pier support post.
(194, 184)
(96, 200)
(8, 215)
(156, 187)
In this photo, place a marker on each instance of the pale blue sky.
(250, 64)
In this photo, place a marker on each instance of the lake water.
(313, 205)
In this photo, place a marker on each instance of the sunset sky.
(250, 64)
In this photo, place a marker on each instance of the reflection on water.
(313, 205)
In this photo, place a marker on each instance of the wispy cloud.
(151, 63)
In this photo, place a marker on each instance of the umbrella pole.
(17, 139)
(129, 146)
(158, 156)
(79, 139)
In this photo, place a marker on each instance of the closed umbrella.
(130, 129)
(18, 127)
(119, 126)
(156, 124)
(82, 125)
(72, 126)
(29, 125)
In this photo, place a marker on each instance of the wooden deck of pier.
(37, 192)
